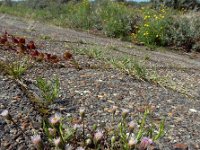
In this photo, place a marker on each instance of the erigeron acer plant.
(125, 135)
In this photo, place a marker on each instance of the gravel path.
(100, 88)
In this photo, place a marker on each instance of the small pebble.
(180, 146)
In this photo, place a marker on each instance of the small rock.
(180, 146)
(13, 131)
(2, 106)
(193, 110)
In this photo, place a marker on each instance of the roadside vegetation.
(146, 23)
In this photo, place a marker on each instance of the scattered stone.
(180, 146)
(193, 110)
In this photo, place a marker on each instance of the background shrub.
(177, 4)
(114, 18)
(152, 29)
(183, 31)
(78, 15)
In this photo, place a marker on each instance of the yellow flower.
(162, 17)
(163, 10)
(146, 25)
(146, 33)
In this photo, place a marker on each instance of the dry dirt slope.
(183, 113)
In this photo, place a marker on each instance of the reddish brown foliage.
(19, 45)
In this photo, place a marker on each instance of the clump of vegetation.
(177, 4)
(183, 32)
(115, 19)
(130, 66)
(78, 15)
(153, 28)
(127, 134)
(49, 88)
(94, 52)
(17, 69)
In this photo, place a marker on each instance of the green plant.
(130, 66)
(183, 31)
(92, 52)
(17, 68)
(123, 134)
(177, 4)
(49, 88)
(152, 30)
(79, 14)
(114, 18)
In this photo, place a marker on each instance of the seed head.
(145, 142)
(37, 142)
(52, 132)
(113, 139)
(82, 112)
(98, 136)
(114, 109)
(125, 113)
(88, 141)
(57, 142)
(132, 125)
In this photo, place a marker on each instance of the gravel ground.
(99, 88)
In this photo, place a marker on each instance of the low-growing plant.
(130, 66)
(49, 88)
(123, 135)
(93, 52)
(17, 69)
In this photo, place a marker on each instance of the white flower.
(80, 148)
(68, 147)
(76, 126)
(88, 141)
(57, 142)
(55, 119)
(6, 114)
(98, 136)
(132, 142)
(37, 142)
